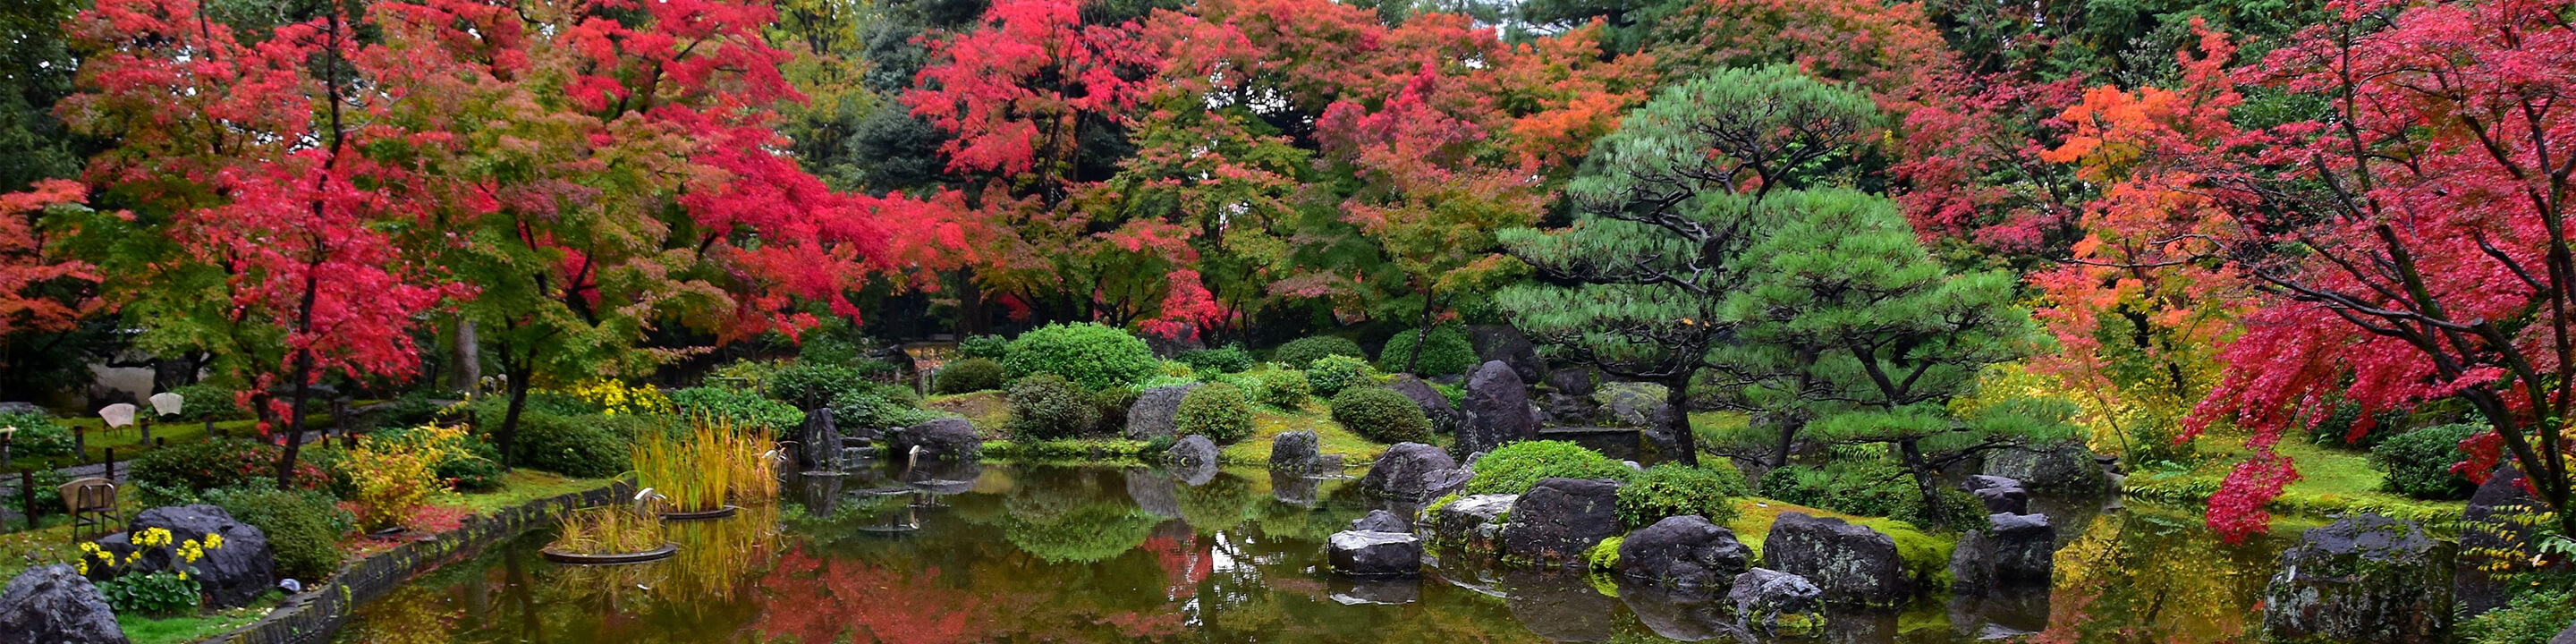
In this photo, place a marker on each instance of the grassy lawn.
(986, 410)
(1269, 422)
(127, 441)
(2331, 481)
(519, 486)
(176, 630)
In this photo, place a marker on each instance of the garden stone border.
(313, 616)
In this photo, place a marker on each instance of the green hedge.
(303, 527)
(812, 386)
(1448, 352)
(1513, 468)
(1380, 414)
(1217, 410)
(1329, 375)
(2418, 463)
(741, 408)
(1284, 389)
(1299, 353)
(970, 375)
(1087, 354)
(38, 435)
(1047, 407)
(1672, 490)
(1226, 359)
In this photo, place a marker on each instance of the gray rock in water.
(2064, 468)
(1762, 596)
(1560, 519)
(1558, 605)
(940, 438)
(1381, 521)
(1982, 481)
(1153, 492)
(2014, 551)
(55, 605)
(1444, 416)
(1293, 488)
(1470, 521)
(1852, 563)
(2366, 578)
(1382, 591)
(1500, 343)
(1409, 472)
(1684, 552)
(231, 576)
(1364, 553)
(1295, 451)
(1192, 450)
(818, 442)
(2491, 542)
(2007, 500)
(1153, 415)
(1498, 410)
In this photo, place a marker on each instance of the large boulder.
(1999, 494)
(2492, 545)
(951, 439)
(1763, 596)
(2015, 550)
(1381, 521)
(232, 575)
(1498, 410)
(1852, 563)
(55, 605)
(1296, 451)
(1363, 553)
(1410, 472)
(1153, 414)
(2365, 578)
(1470, 521)
(1684, 552)
(1500, 343)
(1560, 519)
(818, 442)
(1571, 381)
(2063, 468)
(1192, 450)
(1444, 416)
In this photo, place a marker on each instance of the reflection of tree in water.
(1288, 521)
(411, 615)
(819, 601)
(2153, 575)
(1217, 506)
(1046, 494)
(1087, 533)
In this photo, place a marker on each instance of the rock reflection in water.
(1021, 553)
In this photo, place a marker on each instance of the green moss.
(1926, 555)
(1269, 423)
(1605, 555)
(146, 630)
(2331, 482)
(521, 486)
(1068, 449)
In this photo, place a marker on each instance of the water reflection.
(989, 553)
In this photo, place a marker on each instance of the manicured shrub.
(2335, 430)
(812, 386)
(1329, 375)
(476, 467)
(303, 526)
(875, 409)
(38, 435)
(216, 463)
(969, 375)
(1380, 414)
(1299, 353)
(1672, 490)
(1284, 389)
(202, 402)
(1513, 468)
(1045, 406)
(572, 445)
(1217, 410)
(1867, 488)
(1226, 359)
(2532, 615)
(1087, 354)
(1447, 352)
(989, 347)
(726, 405)
(2418, 463)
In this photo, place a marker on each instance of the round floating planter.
(655, 554)
(717, 513)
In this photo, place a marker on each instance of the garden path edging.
(311, 617)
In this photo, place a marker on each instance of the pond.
(1032, 553)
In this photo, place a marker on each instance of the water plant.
(608, 531)
(713, 463)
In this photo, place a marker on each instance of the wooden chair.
(92, 503)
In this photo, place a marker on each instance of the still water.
(1029, 553)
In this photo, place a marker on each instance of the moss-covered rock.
(2366, 578)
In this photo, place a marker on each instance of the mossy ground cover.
(2331, 481)
(988, 411)
(1269, 422)
(518, 487)
(1926, 554)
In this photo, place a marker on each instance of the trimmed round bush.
(969, 375)
(38, 435)
(1380, 414)
(1672, 490)
(576, 446)
(2418, 463)
(989, 347)
(1284, 389)
(303, 526)
(1448, 352)
(1866, 488)
(202, 402)
(1217, 410)
(1226, 359)
(1329, 375)
(812, 386)
(1513, 468)
(876, 409)
(1046, 407)
(740, 408)
(1087, 354)
(1299, 353)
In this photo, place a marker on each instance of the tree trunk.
(1677, 397)
(468, 372)
(970, 305)
(1788, 431)
(510, 420)
(1922, 471)
(1421, 335)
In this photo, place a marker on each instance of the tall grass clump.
(608, 531)
(711, 464)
